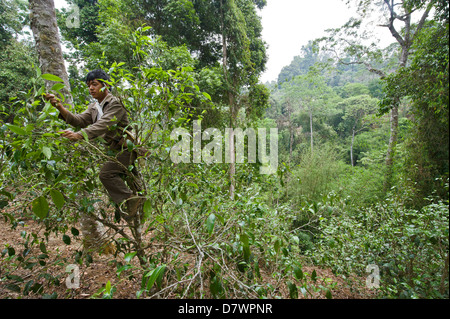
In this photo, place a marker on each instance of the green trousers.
(116, 178)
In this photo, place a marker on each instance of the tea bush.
(410, 247)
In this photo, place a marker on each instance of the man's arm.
(78, 120)
(114, 112)
(68, 117)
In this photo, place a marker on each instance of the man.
(106, 118)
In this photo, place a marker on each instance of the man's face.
(97, 89)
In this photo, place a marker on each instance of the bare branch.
(423, 19)
(390, 25)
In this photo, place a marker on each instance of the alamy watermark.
(373, 280)
(73, 19)
(232, 142)
(73, 280)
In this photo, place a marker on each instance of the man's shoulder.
(113, 100)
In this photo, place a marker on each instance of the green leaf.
(27, 287)
(16, 129)
(86, 138)
(54, 295)
(57, 87)
(47, 152)
(40, 207)
(154, 274)
(74, 231)
(108, 291)
(276, 245)
(11, 251)
(58, 198)
(43, 248)
(129, 256)
(328, 294)
(15, 278)
(3, 203)
(210, 223)
(244, 239)
(293, 291)
(130, 146)
(61, 96)
(66, 239)
(51, 77)
(207, 95)
(298, 272)
(13, 287)
(314, 275)
(41, 91)
(147, 208)
(245, 246)
(37, 288)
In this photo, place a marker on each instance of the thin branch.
(423, 19)
(391, 27)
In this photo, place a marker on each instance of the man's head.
(98, 89)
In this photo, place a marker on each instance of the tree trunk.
(291, 141)
(405, 43)
(291, 132)
(311, 128)
(231, 102)
(351, 147)
(232, 152)
(392, 145)
(45, 31)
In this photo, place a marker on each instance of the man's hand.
(57, 104)
(53, 100)
(73, 136)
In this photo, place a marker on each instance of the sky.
(290, 24)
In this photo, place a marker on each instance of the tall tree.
(45, 31)
(357, 112)
(425, 82)
(17, 56)
(309, 93)
(46, 35)
(243, 57)
(11, 20)
(402, 13)
(300, 64)
(85, 33)
(354, 39)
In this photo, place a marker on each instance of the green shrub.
(410, 247)
(314, 176)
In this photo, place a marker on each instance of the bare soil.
(103, 269)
